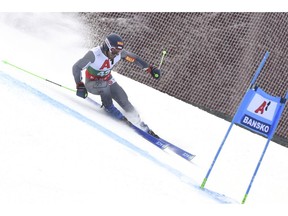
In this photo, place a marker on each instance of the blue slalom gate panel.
(258, 112)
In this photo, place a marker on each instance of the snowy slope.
(61, 155)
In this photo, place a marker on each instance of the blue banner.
(258, 112)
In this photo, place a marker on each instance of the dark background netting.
(211, 57)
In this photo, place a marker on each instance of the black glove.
(154, 71)
(81, 90)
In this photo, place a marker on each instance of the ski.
(182, 153)
(158, 142)
(162, 144)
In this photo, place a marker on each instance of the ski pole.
(162, 58)
(33, 74)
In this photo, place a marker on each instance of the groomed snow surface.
(62, 155)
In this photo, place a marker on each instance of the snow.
(61, 155)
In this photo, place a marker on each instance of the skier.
(98, 63)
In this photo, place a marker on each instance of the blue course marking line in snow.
(214, 195)
(70, 111)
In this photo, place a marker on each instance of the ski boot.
(145, 128)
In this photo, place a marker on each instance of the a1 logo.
(263, 107)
